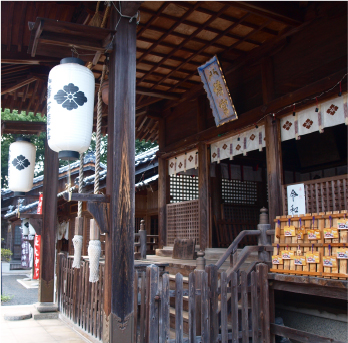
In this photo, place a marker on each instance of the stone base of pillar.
(44, 307)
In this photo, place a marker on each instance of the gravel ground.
(21, 295)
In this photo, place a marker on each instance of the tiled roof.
(146, 156)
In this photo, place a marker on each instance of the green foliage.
(6, 255)
(142, 146)
(5, 298)
(7, 139)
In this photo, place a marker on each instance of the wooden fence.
(234, 307)
(78, 299)
(323, 195)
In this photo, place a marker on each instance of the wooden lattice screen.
(323, 195)
(239, 192)
(183, 188)
(183, 221)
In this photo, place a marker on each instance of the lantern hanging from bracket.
(70, 107)
(21, 164)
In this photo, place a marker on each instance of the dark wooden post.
(163, 188)
(273, 146)
(48, 233)
(119, 247)
(274, 168)
(203, 195)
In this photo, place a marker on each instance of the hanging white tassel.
(77, 241)
(94, 251)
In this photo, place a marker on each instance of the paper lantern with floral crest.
(70, 107)
(21, 164)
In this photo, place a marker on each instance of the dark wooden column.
(49, 226)
(119, 248)
(216, 195)
(203, 194)
(274, 167)
(273, 145)
(163, 188)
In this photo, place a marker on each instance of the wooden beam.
(257, 113)
(283, 12)
(157, 94)
(274, 168)
(103, 198)
(18, 85)
(121, 173)
(299, 335)
(203, 190)
(22, 127)
(49, 226)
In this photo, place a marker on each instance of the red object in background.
(39, 206)
(37, 244)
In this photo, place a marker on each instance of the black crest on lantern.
(21, 162)
(70, 97)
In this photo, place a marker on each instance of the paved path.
(21, 295)
(36, 331)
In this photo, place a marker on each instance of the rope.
(79, 209)
(98, 136)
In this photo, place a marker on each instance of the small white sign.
(296, 199)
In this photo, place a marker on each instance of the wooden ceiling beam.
(168, 45)
(195, 39)
(229, 28)
(173, 27)
(21, 26)
(185, 41)
(145, 103)
(157, 93)
(18, 85)
(196, 25)
(10, 24)
(226, 17)
(284, 12)
(22, 57)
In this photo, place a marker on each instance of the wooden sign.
(184, 249)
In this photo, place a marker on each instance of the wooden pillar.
(163, 189)
(49, 226)
(273, 146)
(119, 247)
(274, 168)
(203, 195)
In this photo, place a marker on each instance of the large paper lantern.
(21, 164)
(70, 107)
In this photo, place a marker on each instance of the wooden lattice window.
(183, 221)
(183, 188)
(239, 192)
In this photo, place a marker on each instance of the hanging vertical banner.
(296, 199)
(25, 255)
(39, 206)
(37, 246)
(217, 91)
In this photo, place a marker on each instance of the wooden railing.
(214, 311)
(78, 299)
(323, 195)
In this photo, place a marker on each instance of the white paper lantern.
(25, 227)
(21, 164)
(70, 107)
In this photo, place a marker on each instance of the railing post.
(263, 238)
(200, 269)
(142, 239)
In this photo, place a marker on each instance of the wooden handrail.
(234, 245)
